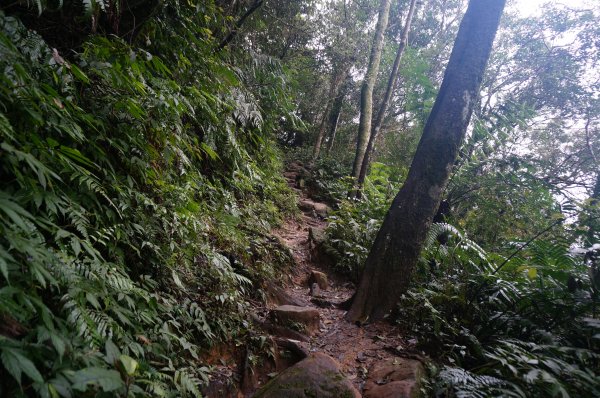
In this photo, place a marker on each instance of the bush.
(525, 330)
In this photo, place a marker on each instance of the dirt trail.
(355, 348)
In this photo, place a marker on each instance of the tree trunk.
(336, 111)
(387, 97)
(396, 249)
(366, 93)
(592, 222)
(339, 75)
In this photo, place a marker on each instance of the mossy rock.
(317, 376)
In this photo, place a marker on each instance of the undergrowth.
(519, 327)
(521, 323)
(136, 200)
(353, 226)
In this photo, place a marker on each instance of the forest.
(299, 198)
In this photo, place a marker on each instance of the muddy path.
(355, 348)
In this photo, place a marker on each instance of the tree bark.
(336, 111)
(395, 252)
(339, 75)
(387, 97)
(592, 222)
(366, 93)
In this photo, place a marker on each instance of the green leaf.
(129, 364)
(15, 212)
(79, 74)
(16, 364)
(76, 246)
(177, 280)
(112, 352)
(91, 298)
(59, 344)
(532, 273)
(209, 151)
(107, 380)
(4, 269)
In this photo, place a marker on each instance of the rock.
(319, 278)
(294, 346)
(303, 319)
(322, 209)
(316, 236)
(321, 302)
(296, 166)
(306, 205)
(320, 251)
(276, 295)
(318, 375)
(277, 330)
(290, 175)
(394, 389)
(315, 290)
(394, 378)
(300, 182)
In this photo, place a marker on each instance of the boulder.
(303, 319)
(278, 296)
(277, 330)
(319, 278)
(318, 375)
(306, 205)
(316, 236)
(321, 209)
(320, 251)
(394, 378)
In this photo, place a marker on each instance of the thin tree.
(366, 93)
(337, 79)
(336, 111)
(385, 103)
(396, 249)
(594, 200)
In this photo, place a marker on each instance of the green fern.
(464, 384)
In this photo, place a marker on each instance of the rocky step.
(318, 375)
(302, 319)
(320, 209)
(394, 378)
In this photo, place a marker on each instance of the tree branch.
(238, 24)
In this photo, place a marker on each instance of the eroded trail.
(372, 357)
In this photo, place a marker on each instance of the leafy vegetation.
(352, 228)
(142, 144)
(138, 192)
(517, 326)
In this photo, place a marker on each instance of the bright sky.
(530, 7)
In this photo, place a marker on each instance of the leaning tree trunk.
(386, 98)
(366, 93)
(396, 249)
